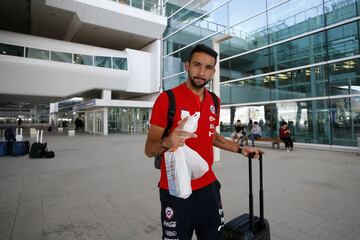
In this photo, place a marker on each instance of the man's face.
(200, 69)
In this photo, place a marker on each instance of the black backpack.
(37, 150)
(170, 117)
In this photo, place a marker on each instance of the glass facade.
(61, 57)
(128, 120)
(119, 63)
(8, 49)
(281, 60)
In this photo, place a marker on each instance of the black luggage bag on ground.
(38, 148)
(248, 226)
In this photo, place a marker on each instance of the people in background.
(255, 133)
(19, 122)
(284, 133)
(239, 135)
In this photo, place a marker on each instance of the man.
(202, 210)
(255, 133)
(239, 135)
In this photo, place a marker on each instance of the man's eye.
(209, 67)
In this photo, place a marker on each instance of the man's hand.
(246, 151)
(177, 137)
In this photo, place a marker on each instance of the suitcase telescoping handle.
(261, 192)
(39, 136)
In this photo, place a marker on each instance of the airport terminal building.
(289, 60)
(98, 59)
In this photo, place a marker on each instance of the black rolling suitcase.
(248, 226)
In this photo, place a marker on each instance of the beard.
(198, 85)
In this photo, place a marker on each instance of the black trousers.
(201, 212)
(288, 142)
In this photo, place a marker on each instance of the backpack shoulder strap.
(171, 112)
(215, 100)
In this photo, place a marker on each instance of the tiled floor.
(105, 188)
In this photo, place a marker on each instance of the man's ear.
(187, 66)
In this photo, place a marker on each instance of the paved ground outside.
(105, 188)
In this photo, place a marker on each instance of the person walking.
(202, 211)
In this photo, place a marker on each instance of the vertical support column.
(216, 80)
(216, 90)
(105, 95)
(105, 121)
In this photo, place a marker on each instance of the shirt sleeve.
(160, 111)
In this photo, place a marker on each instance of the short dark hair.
(204, 49)
(283, 123)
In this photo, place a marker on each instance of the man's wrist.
(164, 148)
(239, 150)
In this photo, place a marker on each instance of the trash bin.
(71, 132)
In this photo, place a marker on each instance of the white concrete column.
(105, 121)
(106, 94)
(216, 80)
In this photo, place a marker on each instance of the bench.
(274, 141)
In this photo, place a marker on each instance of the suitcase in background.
(3, 148)
(20, 148)
(18, 136)
(38, 148)
(248, 226)
(3, 145)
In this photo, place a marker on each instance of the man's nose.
(202, 70)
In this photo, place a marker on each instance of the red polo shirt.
(186, 100)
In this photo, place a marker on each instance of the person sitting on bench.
(284, 133)
(255, 133)
(239, 135)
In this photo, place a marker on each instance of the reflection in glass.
(174, 81)
(338, 10)
(246, 91)
(344, 77)
(103, 62)
(246, 65)
(61, 57)
(307, 82)
(293, 18)
(343, 41)
(302, 51)
(37, 53)
(210, 24)
(83, 59)
(8, 49)
(120, 63)
(345, 117)
(246, 36)
(186, 15)
(238, 11)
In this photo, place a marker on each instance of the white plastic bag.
(183, 163)
(196, 164)
(177, 174)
